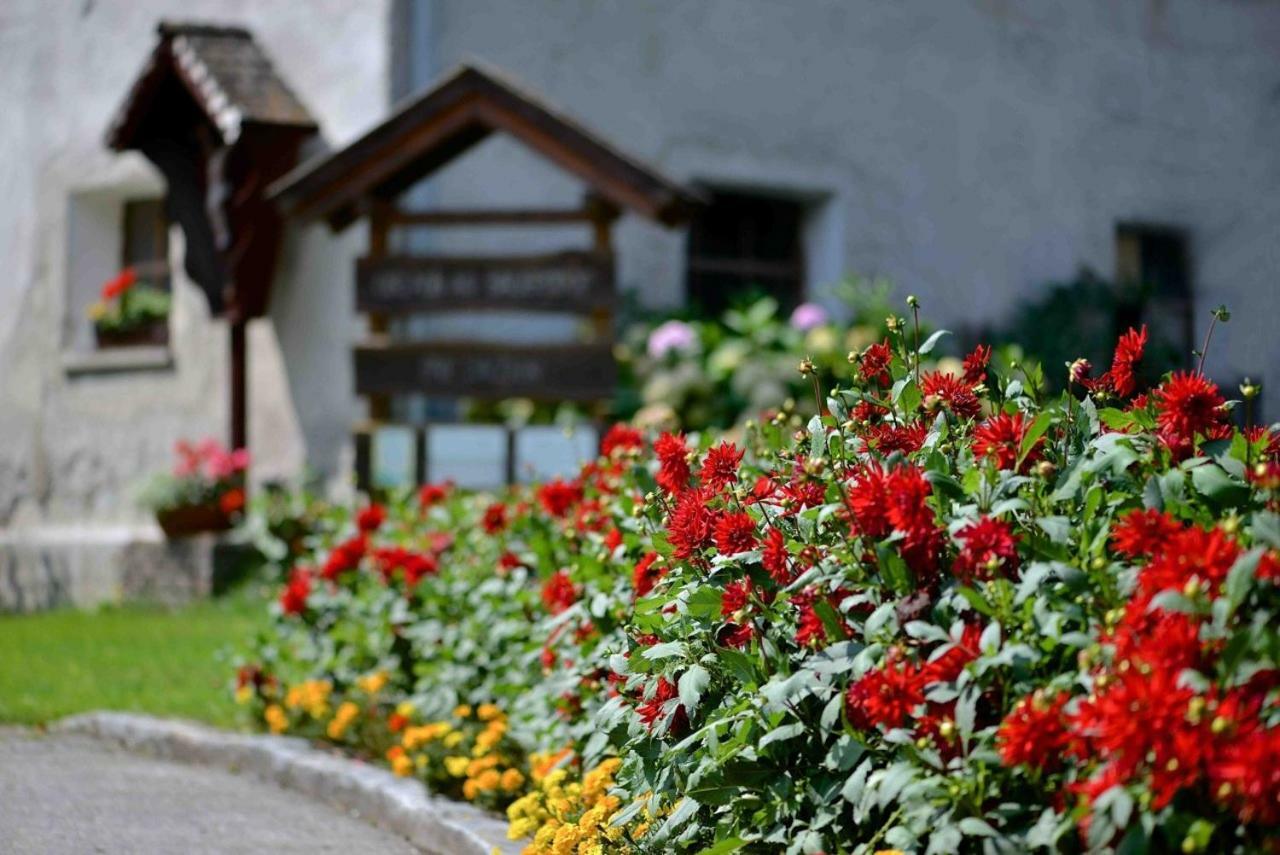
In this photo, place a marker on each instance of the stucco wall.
(973, 151)
(74, 442)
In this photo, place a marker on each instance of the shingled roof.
(227, 75)
(460, 111)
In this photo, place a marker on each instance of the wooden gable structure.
(366, 179)
(212, 114)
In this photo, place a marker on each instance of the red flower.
(875, 363)
(1001, 437)
(946, 668)
(989, 545)
(691, 526)
(673, 462)
(432, 494)
(620, 436)
(941, 389)
(1246, 776)
(1187, 404)
(293, 599)
(370, 519)
(1193, 553)
(345, 557)
(885, 696)
(646, 575)
(558, 592)
(735, 532)
(508, 562)
(721, 466)
(1141, 533)
(810, 630)
(558, 496)
(652, 711)
(1035, 733)
(868, 501)
(887, 438)
(909, 512)
(776, 561)
(231, 501)
(121, 282)
(1128, 353)
(495, 518)
(735, 598)
(975, 364)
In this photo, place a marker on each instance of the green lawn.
(165, 661)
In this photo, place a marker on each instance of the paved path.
(63, 793)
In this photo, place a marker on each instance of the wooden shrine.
(366, 179)
(212, 114)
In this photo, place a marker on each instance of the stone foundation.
(50, 566)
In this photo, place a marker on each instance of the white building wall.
(972, 151)
(75, 439)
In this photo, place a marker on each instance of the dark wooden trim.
(572, 372)
(492, 217)
(747, 267)
(573, 281)
(364, 459)
(239, 384)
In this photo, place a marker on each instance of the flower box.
(188, 520)
(151, 334)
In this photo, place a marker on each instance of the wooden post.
(239, 381)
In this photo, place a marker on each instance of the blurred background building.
(974, 152)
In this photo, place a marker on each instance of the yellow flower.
(462, 711)
(488, 712)
(512, 779)
(451, 740)
(244, 694)
(405, 708)
(373, 683)
(456, 766)
(277, 719)
(402, 766)
(342, 719)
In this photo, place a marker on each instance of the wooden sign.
(577, 372)
(577, 282)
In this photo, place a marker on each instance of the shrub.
(944, 615)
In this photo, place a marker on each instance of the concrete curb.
(432, 823)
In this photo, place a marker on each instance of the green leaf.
(974, 827)
(782, 734)
(692, 684)
(731, 844)
(932, 342)
(1266, 527)
(1037, 430)
(665, 650)
(1240, 577)
(1219, 487)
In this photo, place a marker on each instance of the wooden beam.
(492, 217)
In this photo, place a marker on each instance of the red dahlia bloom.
(646, 575)
(989, 546)
(721, 465)
(885, 696)
(1141, 533)
(1035, 733)
(946, 668)
(1128, 353)
(1244, 775)
(558, 496)
(941, 389)
(868, 501)
(620, 436)
(875, 363)
(1190, 554)
(887, 438)
(735, 532)
(909, 512)
(1187, 404)
(495, 518)
(735, 598)
(776, 561)
(975, 365)
(673, 463)
(370, 519)
(691, 527)
(432, 494)
(810, 630)
(558, 592)
(293, 599)
(1001, 437)
(653, 710)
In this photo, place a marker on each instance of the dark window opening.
(743, 246)
(146, 240)
(1156, 261)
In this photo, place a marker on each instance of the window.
(743, 245)
(1156, 261)
(146, 239)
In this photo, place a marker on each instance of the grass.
(152, 659)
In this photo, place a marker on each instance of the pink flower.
(807, 316)
(671, 336)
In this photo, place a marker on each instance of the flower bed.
(946, 615)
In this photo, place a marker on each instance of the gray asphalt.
(64, 793)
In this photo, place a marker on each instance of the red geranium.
(293, 599)
(121, 282)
